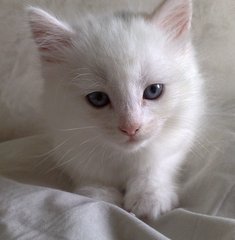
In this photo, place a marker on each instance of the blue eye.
(98, 99)
(153, 91)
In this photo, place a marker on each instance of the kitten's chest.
(96, 165)
(109, 167)
(99, 169)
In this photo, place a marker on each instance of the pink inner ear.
(50, 35)
(174, 17)
(177, 22)
(49, 42)
(49, 45)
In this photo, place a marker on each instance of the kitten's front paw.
(150, 203)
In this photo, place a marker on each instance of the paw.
(150, 203)
(101, 193)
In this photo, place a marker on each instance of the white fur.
(121, 54)
(21, 87)
(21, 84)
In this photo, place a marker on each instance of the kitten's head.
(125, 78)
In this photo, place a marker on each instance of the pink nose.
(130, 130)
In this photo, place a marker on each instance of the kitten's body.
(122, 54)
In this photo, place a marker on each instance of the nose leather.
(130, 130)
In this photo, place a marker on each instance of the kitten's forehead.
(121, 50)
(117, 45)
(120, 37)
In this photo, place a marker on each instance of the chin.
(128, 145)
(133, 145)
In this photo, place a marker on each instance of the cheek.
(110, 122)
(168, 103)
(151, 121)
(103, 118)
(158, 112)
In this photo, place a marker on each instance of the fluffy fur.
(21, 83)
(21, 87)
(121, 54)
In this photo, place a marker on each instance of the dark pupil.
(153, 89)
(99, 97)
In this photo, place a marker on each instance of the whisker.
(51, 152)
(85, 162)
(54, 149)
(60, 161)
(58, 165)
(75, 129)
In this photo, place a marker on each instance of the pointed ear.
(50, 35)
(174, 17)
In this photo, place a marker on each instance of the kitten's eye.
(153, 91)
(98, 99)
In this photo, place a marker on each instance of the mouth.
(132, 140)
(131, 143)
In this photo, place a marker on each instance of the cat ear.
(174, 17)
(50, 34)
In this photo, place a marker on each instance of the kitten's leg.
(101, 193)
(149, 197)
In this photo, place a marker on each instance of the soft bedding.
(206, 211)
(36, 202)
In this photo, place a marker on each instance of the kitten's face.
(123, 64)
(122, 79)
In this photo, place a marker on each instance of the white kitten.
(127, 86)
